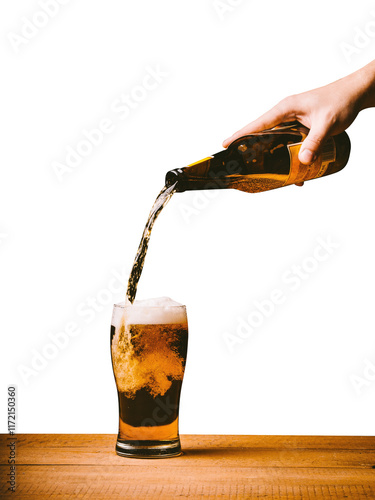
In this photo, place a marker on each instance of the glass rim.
(124, 306)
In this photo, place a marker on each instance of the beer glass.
(149, 347)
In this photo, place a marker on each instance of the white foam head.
(161, 310)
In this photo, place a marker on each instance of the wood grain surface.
(85, 466)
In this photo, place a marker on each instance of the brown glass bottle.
(262, 161)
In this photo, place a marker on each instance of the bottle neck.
(204, 174)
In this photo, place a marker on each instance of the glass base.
(148, 449)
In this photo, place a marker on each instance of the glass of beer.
(149, 347)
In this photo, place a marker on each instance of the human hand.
(325, 111)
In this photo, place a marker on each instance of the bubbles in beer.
(149, 347)
(162, 199)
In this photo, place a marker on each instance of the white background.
(61, 241)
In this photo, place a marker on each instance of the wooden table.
(85, 466)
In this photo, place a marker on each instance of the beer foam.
(156, 311)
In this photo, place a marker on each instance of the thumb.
(312, 144)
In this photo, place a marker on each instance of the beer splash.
(149, 357)
(162, 199)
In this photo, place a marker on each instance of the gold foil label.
(300, 172)
(200, 161)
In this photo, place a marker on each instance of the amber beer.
(149, 347)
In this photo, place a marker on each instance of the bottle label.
(300, 172)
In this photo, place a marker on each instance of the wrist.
(363, 82)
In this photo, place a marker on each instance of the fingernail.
(306, 156)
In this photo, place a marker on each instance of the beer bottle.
(262, 161)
